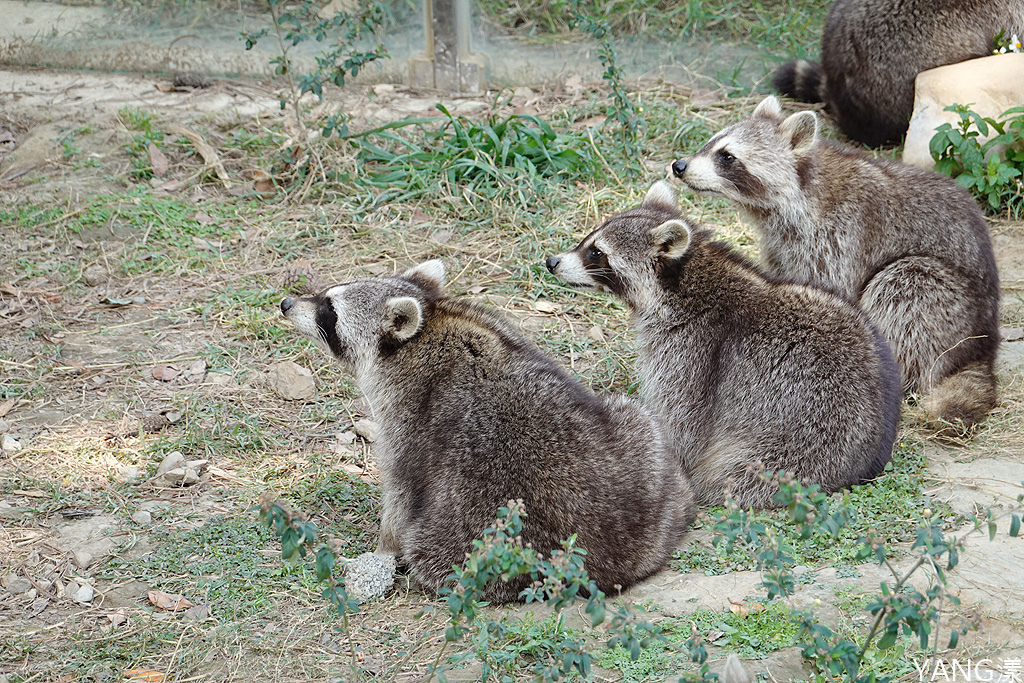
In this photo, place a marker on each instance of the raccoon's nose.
(679, 168)
(286, 304)
(552, 263)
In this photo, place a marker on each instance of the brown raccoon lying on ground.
(745, 372)
(872, 50)
(911, 247)
(472, 416)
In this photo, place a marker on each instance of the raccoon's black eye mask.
(725, 157)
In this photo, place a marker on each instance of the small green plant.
(622, 109)
(484, 157)
(143, 134)
(901, 608)
(342, 33)
(991, 169)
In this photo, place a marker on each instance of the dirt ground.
(124, 340)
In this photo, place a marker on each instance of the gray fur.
(872, 50)
(910, 246)
(472, 416)
(746, 373)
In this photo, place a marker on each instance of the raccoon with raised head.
(472, 416)
(911, 247)
(872, 50)
(747, 373)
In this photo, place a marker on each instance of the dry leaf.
(165, 373)
(158, 160)
(263, 184)
(475, 289)
(172, 602)
(165, 87)
(441, 236)
(208, 153)
(203, 218)
(545, 307)
(593, 121)
(6, 406)
(140, 675)
(596, 333)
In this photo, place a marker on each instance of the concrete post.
(447, 63)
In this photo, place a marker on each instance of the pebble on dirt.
(291, 381)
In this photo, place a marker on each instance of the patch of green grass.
(228, 562)
(889, 507)
(143, 132)
(347, 507)
(514, 645)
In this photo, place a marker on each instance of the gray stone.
(368, 429)
(990, 85)
(170, 462)
(16, 585)
(85, 594)
(86, 539)
(292, 382)
(370, 576)
(142, 517)
(8, 444)
(71, 590)
(128, 473)
(94, 275)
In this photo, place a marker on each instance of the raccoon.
(472, 416)
(746, 372)
(872, 50)
(911, 247)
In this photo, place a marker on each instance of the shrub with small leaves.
(993, 169)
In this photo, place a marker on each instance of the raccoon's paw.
(301, 279)
(370, 576)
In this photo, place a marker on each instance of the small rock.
(596, 333)
(8, 444)
(85, 594)
(142, 517)
(191, 477)
(172, 461)
(94, 275)
(16, 585)
(345, 438)
(370, 576)
(32, 594)
(220, 379)
(368, 429)
(383, 89)
(128, 473)
(83, 558)
(71, 590)
(292, 382)
(4, 427)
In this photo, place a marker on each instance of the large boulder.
(990, 85)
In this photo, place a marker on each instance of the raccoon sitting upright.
(872, 50)
(745, 372)
(910, 246)
(472, 415)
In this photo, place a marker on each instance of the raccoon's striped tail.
(963, 399)
(800, 79)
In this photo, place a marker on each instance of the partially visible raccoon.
(472, 415)
(910, 246)
(747, 373)
(872, 50)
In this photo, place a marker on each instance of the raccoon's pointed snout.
(552, 263)
(679, 167)
(286, 304)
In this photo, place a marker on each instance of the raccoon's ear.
(801, 130)
(661, 195)
(769, 108)
(671, 239)
(431, 273)
(403, 317)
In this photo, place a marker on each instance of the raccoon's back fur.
(910, 246)
(746, 373)
(472, 415)
(872, 50)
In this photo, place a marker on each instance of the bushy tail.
(800, 79)
(963, 399)
(734, 672)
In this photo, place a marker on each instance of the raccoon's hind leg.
(931, 318)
